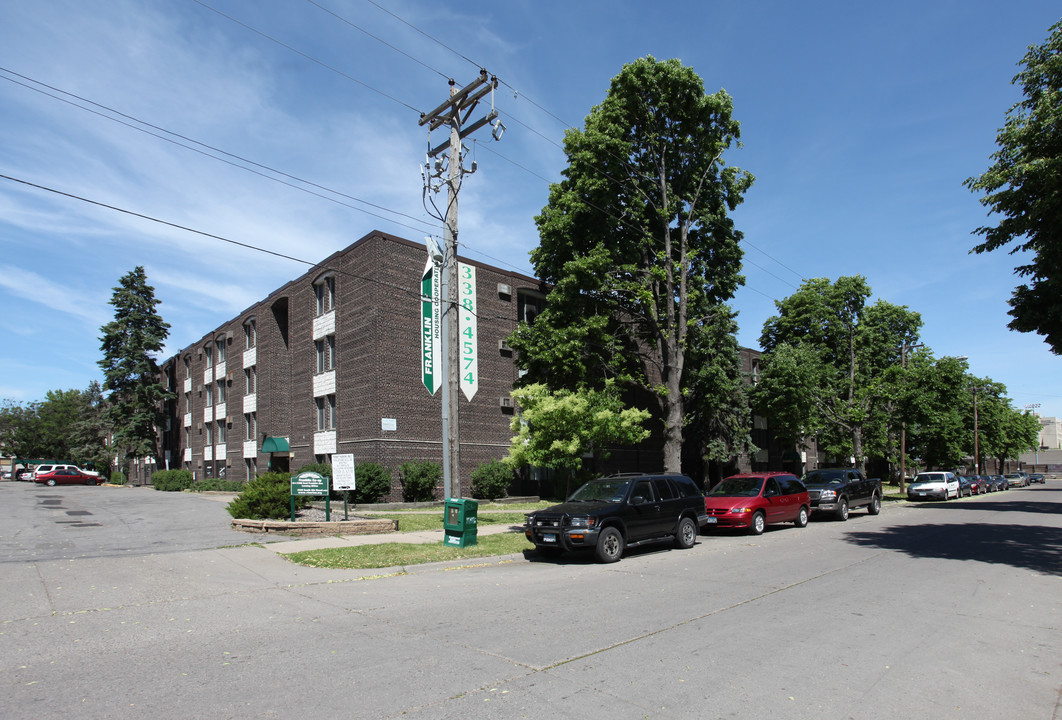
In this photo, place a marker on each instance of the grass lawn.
(399, 554)
(413, 521)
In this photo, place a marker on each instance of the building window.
(221, 431)
(209, 352)
(221, 391)
(250, 333)
(188, 437)
(252, 468)
(326, 412)
(326, 353)
(210, 433)
(322, 459)
(210, 394)
(325, 290)
(250, 420)
(187, 366)
(221, 350)
(250, 376)
(529, 306)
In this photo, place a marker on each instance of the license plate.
(549, 538)
(712, 520)
(921, 494)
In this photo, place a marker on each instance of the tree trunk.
(857, 449)
(674, 417)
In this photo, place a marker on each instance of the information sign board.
(309, 483)
(343, 476)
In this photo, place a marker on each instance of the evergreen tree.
(131, 373)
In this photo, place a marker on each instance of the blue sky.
(860, 122)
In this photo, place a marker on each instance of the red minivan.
(756, 500)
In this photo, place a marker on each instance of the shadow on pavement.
(1033, 547)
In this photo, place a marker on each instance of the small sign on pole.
(343, 478)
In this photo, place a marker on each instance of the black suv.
(613, 513)
(836, 490)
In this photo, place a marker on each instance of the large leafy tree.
(131, 374)
(637, 244)
(1024, 186)
(938, 404)
(827, 364)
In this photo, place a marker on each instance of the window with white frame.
(221, 391)
(252, 467)
(221, 350)
(209, 394)
(326, 353)
(208, 350)
(209, 433)
(222, 427)
(325, 291)
(326, 412)
(250, 333)
(250, 376)
(250, 421)
(187, 366)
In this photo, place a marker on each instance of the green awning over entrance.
(275, 444)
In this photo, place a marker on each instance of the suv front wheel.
(609, 545)
(686, 536)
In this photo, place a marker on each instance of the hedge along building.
(332, 363)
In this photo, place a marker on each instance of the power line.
(376, 38)
(408, 291)
(213, 149)
(308, 57)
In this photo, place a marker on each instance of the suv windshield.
(738, 487)
(601, 491)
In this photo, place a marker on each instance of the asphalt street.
(931, 610)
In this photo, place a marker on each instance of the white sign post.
(343, 479)
(466, 296)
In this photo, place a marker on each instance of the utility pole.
(455, 111)
(903, 427)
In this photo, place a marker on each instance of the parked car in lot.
(1037, 478)
(940, 484)
(1015, 480)
(998, 482)
(611, 514)
(754, 500)
(45, 468)
(965, 486)
(65, 476)
(837, 490)
(977, 484)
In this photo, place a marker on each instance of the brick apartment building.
(331, 363)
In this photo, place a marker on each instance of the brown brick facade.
(377, 371)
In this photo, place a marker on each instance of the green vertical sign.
(430, 328)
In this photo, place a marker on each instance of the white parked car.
(942, 485)
(52, 467)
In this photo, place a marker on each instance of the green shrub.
(219, 485)
(267, 497)
(373, 481)
(172, 480)
(419, 479)
(117, 478)
(492, 480)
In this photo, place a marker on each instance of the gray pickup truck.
(838, 490)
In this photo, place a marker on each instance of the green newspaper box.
(460, 522)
